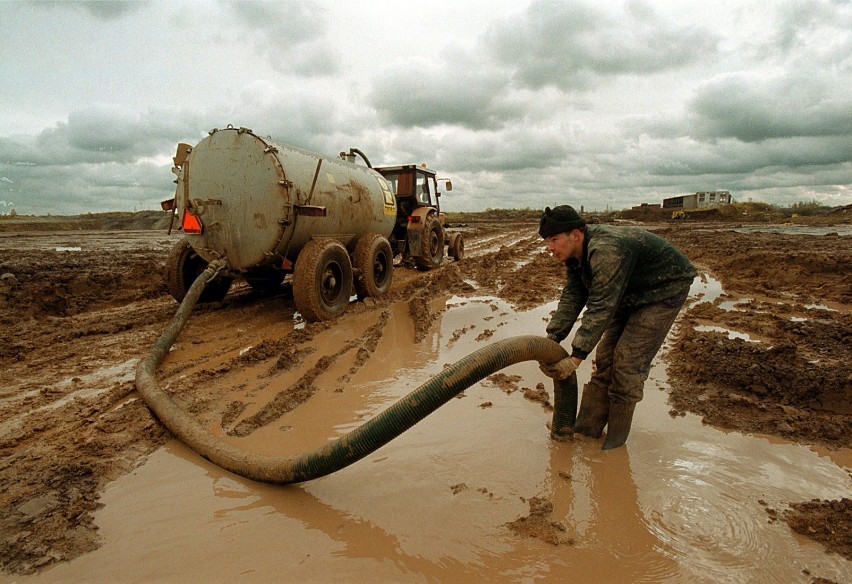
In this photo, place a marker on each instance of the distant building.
(645, 207)
(698, 200)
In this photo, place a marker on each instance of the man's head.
(559, 219)
(563, 230)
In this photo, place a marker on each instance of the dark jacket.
(621, 267)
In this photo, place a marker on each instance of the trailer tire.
(373, 259)
(322, 280)
(433, 245)
(182, 268)
(455, 246)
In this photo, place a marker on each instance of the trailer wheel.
(182, 268)
(455, 246)
(322, 280)
(373, 259)
(433, 245)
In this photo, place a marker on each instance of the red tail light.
(191, 223)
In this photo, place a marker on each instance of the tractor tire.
(455, 246)
(183, 266)
(433, 245)
(373, 259)
(322, 280)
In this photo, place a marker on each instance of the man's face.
(564, 245)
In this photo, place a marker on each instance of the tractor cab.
(416, 191)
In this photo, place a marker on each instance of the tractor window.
(392, 182)
(422, 190)
(405, 185)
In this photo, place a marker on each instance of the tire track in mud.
(292, 397)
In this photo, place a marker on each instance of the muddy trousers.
(622, 362)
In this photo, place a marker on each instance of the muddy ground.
(78, 309)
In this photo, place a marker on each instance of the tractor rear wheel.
(183, 266)
(373, 259)
(433, 245)
(322, 280)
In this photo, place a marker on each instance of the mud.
(766, 353)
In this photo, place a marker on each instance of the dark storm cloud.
(82, 188)
(415, 94)
(806, 95)
(570, 44)
(289, 35)
(98, 8)
(752, 109)
(507, 150)
(565, 45)
(99, 159)
(99, 134)
(797, 22)
(730, 156)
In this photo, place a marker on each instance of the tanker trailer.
(268, 210)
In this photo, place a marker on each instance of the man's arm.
(611, 269)
(571, 302)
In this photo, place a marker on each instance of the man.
(632, 284)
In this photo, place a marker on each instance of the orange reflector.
(191, 223)
(414, 218)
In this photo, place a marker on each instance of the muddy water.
(682, 502)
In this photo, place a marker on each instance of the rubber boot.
(594, 409)
(620, 418)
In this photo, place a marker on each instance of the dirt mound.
(794, 385)
(540, 524)
(118, 221)
(828, 522)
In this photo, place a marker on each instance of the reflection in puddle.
(819, 307)
(731, 305)
(792, 229)
(682, 502)
(731, 334)
(705, 288)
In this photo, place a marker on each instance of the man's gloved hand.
(559, 370)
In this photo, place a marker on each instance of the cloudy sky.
(600, 104)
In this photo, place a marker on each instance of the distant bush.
(496, 215)
(750, 211)
(808, 208)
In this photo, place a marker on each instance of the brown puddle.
(682, 502)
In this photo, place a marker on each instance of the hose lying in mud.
(368, 437)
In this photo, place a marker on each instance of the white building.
(698, 200)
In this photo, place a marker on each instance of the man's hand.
(561, 369)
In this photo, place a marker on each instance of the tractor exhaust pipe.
(368, 437)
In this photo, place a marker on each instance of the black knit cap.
(560, 218)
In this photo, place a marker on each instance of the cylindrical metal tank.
(260, 202)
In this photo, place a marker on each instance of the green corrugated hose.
(368, 437)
